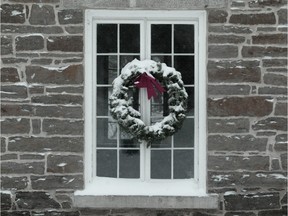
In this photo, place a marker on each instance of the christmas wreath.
(148, 74)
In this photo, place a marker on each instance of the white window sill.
(180, 194)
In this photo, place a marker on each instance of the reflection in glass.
(129, 161)
(129, 38)
(124, 59)
(185, 136)
(103, 94)
(160, 164)
(106, 132)
(166, 143)
(161, 38)
(183, 38)
(106, 69)
(107, 38)
(185, 65)
(190, 104)
(127, 140)
(163, 59)
(106, 163)
(183, 164)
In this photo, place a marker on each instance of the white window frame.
(96, 186)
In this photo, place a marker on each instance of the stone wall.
(42, 105)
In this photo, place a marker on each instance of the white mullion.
(118, 73)
(172, 139)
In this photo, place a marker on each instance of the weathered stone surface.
(9, 157)
(51, 182)
(58, 99)
(266, 29)
(40, 156)
(15, 213)
(271, 123)
(65, 43)
(15, 126)
(252, 201)
(35, 200)
(63, 90)
(274, 62)
(68, 127)
(250, 106)
(36, 89)
(42, 15)
(229, 89)
(46, 144)
(13, 91)
(275, 164)
(272, 90)
(284, 161)
(270, 39)
(230, 29)
(74, 29)
(234, 39)
(217, 16)
(284, 200)
(70, 16)
(240, 214)
(3, 144)
(236, 143)
(6, 45)
(42, 61)
(261, 51)
(72, 74)
(34, 42)
(281, 142)
(282, 16)
(36, 126)
(281, 212)
(14, 183)
(253, 19)
(31, 29)
(12, 13)
(238, 163)
(56, 213)
(222, 51)
(64, 164)
(22, 168)
(9, 74)
(233, 64)
(228, 125)
(14, 60)
(6, 202)
(247, 179)
(275, 79)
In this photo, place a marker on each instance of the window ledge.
(147, 202)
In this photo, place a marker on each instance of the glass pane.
(129, 38)
(103, 94)
(107, 38)
(163, 59)
(183, 164)
(127, 140)
(185, 136)
(124, 59)
(106, 69)
(106, 132)
(185, 65)
(160, 164)
(190, 104)
(106, 163)
(166, 143)
(183, 38)
(161, 38)
(129, 164)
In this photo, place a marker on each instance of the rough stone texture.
(64, 164)
(6, 45)
(15, 126)
(284, 161)
(220, 39)
(281, 109)
(6, 202)
(250, 106)
(228, 126)
(29, 43)
(29, 29)
(65, 43)
(70, 16)
(256, 51)
(252, 201)
(14, 183)
(230, 29)
(272, 90)
(9, 74)
(217, 16)
(12, 13)
(281, 142)
(35, 200)
(58, 99)
(222, 51)
(274, 62)
(253, 19)
(275, 79)
(13, 91)
(22, 168)
(270, 39)
(282, 14)
(271, 123)
(228, 89)
(42, 15)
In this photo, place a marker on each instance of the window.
(115, 163)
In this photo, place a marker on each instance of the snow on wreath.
(148, 74)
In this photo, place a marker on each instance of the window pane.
(106, 69)
(106, 132)
(183, 38)
(160, 164)
(106, 163)
(190, 104)
(107, 38)
(103, 94)
(166, 143)
(127, 140)
(161, 38)
(129, 38)
(129, 164)
(183, 164)
(163, 59)
(185, 136)
(124, 59)
(185, 65)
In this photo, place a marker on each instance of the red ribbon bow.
(146, 81)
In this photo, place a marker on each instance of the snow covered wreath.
(148, 74)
